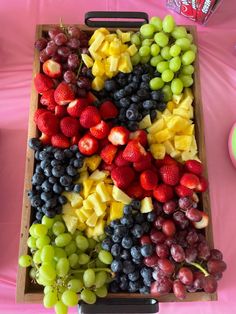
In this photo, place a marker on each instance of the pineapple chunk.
(191, 112)
(87, 212)
(124, 48)
(125, 37)
(87, 204)
(104, 49)
(177, 124)
(67, 209)
(146, 205)
(189, 130)
(108, 181)
(114, 61)
(95, 55)
(151, 139)
(98, 83)
(98, 175)
(89, 232)
(125, 64)
(167, 112)
(71, 222)
(145, 122)
(99, 228)
(109, 188)
(169, 147)
(186, 103)
(68, 195)
(182, 113)
(157, 126)
(102, 191)
(132, 50)
(107, 68)
(182, 142)
(120, 196)
(115, 47)
(87, 185)
(110, 37)
(102, 30)
(163, 135)
(93, 189)
(119, 33)
(76, 200)
(97, 42)
(88, 61)
(80, 214)
(175, 154)
(171, 106)
(93, 162)
(193, 143)
(83, 168)
(188, 92)
(92, 220)
(187, 155)
(177, 98)
(158, 151)
(81, 226)
(116, 210)
(98, 206)
(83, 176)
(98, 68)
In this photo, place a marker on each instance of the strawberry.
(42, 83)
(170, 174)
(118, 135)
(120, 161)
(189, 180)
(108, 153)
(47, 99)
(45, 139)
(140, 136)
(163, 193)
(135, 190)
(182, 191)
(148, 180)
(76, 107)
(104, 142)
(69, 126)
(134, 151)
(101, 130)
(144, 164)
(60, 111)
(147, 193)
(91, 98)
(74, 140)
(167, 160)
(203, 185)
(122, 176)
(48, 123)
(52, 68)
(107, 167)
(37, 113)
(63, 94)
(90, 117)
(194, 166)
(60, 141)
(108, 110)
(88, 145)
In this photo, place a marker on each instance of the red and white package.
(186, 9)
(204, 10)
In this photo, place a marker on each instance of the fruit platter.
(116, 201)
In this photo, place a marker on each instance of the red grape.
(51, 48)
(164, 285)
(185, 275)
(43, 56)
(166, 266)
(84, 43)
(203, 251)
(145, 239)
(180, 219)
(185, 203)
(157, 236)
(198, 278)
(215, 266)
(216, 255)
(60, 39)
(40, 44)
(53, 32)
(73, 61)
(151, 261)
(179, 290)
(218, 276)
(73, 43)
(193, 214)
(190, 254)
(209, 284)
(169, 241)
(81, 93)
(84, 82)
(58, 59)
(64, 51)
(158, 274)
(69, 77)
(177, 252)
(74, 31)
(168, 228)
(191, 289)
(159, 222)
(169, 207)
(192, 237)
(162, 250)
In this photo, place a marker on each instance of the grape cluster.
(66, 264)
(133, 96)
(65, 45)
(56, 170)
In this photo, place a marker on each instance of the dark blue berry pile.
(55, 171)
(128, 254)
(133, 97)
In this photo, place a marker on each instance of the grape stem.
(203, 270)
(79, 69)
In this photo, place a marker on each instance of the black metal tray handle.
(142, 18)
(120, 306)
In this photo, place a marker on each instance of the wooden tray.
(31, 293)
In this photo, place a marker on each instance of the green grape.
(58, 228)
(155, 50)
(167, 76)
(147, 30)
(190, 37)
(193, 48)
(100, 279)
(175, 64)
(25, 260)
(83, 259)
(188, 57)
(76, 233)
(144, 51)
(37, 257)
(75, 284)
(161, 39)
(145, 60)
(155, 60)
(101, 292)
(47, 253)
(82, 243)
(60, 308)
(167, 93)
(48, 222)
(179, 32)
(40, 230)
(89, 278)
(58, 253)
(187, 80)
(88, 296)
(73, 260)
(157, 23)
(47, 271)
(135, 39)
(31, 242)
(32, 231)
(70, 298)
(105, 257)
(165, 53)
(175, 50)
(42, 241)
(62, 267)
(58, 218)
(48, 289)
(156, 83)
(162, 66)
(70, 248)
(63, 239)
(32, 273)
(92, 243)
(168, 24)
(184, 43)
(135, 59)
(50, 299)
(147, 42)
(100, 264)
(177, 86)
(187, 69)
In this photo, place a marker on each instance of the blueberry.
(135, 98)
(146, 273)
(122, 82)
(146, 250)
(48, 171)
(125, 254)
(127, 221)
(144, 85)
(127, 210)
(38, 169)
(69, 188)
(46, 186)
(38, 188)
(136, 204)
(138, 261)
(68, 153)
(136, 78)
(132, 114)
(108, 230)
(57, 188)
(55, 163)
(119, 94)
(36, 201)
(116, 266)
(58, 171)
(59, 155)
(35, 222)
(135, 252)
(51, 203)
(50, 213)
(45, 163)
(52, 180)
(44, 209)
(127, 242)
(31, 194)
(134, 85)
(116, 238)
(49, 149)
(156, 95)
(128, 267)
(46, 196)
(146, 77)
(133, 286)
(77, 188)
(110, 85)
(139, 218)
(147, 282)
(65, 180)
(124, 102)
(115, 250)
(114, 288)
(35, 144)
(121, 231)
(71, 171)
(137, 231)
(37, 179)
(124, 282)
(144, 290)
(62, 199)
(132, 126)
(133, 276)
(146, 227)
(128, 89)
(39, 215)
(153, 115)
(74, 148)
(107, 244)
(149, 104)
(115, 223)
(161, 106)
(156, 74)
(58, 209)
(78, 163)
(151, 216)
(36, 155)
(143, 94)
(79, 156)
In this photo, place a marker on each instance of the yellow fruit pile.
(110, 54)
(173, 130)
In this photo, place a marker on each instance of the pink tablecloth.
(218, 81)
